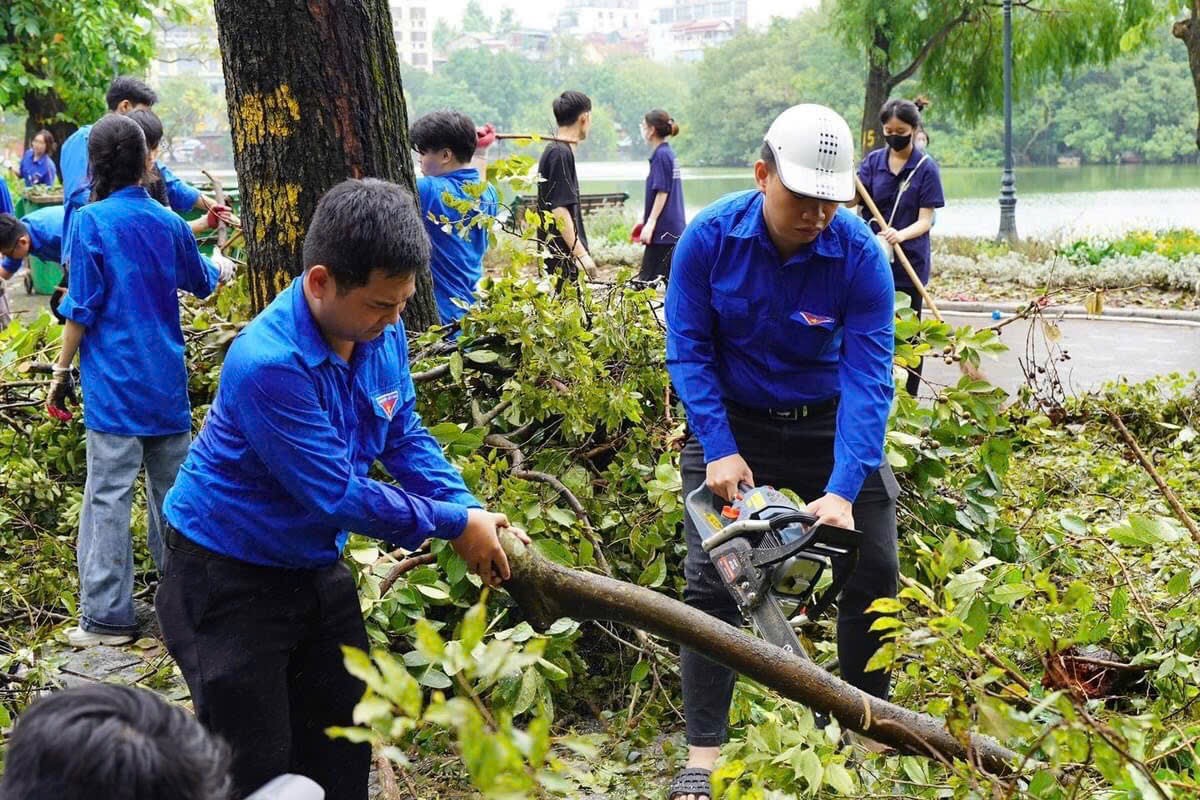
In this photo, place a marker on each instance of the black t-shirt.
(559, 188)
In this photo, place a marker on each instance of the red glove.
(485, 136)
(218, 214)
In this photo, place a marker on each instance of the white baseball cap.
(814, 152)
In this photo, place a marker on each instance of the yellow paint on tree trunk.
(276, 213)
(261, 115)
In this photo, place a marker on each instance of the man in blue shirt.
(255, 602)
(124, 95)
(780, 343)
(39, 233)
(455, 206)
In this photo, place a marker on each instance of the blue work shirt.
(77, 183)
(456, 256)
(36, 170)
(45, 236)
(6, 203)
(664, 177)
(747, 327)
(279, 472)
(924, 191)
(130, 257)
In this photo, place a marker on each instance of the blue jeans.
(105, 550)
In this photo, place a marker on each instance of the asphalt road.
(1100, 350)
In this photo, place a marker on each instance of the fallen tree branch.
(1172, 500)
(547, 591)
(406, 565)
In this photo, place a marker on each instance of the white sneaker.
(78, 637)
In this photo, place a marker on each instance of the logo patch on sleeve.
(388, 402)
(816, 320)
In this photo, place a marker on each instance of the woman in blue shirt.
(906, 186)
(130, 258)
(663, 218)
(37, 167)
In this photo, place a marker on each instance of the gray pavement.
(1101, 350)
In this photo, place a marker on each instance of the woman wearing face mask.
(906, 186)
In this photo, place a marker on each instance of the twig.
(441, 370)
(406, 565)
(388, 788)
(1141, 456)
(517, 468)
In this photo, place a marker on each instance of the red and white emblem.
(388, 402)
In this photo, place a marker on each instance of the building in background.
(590, 18)
(187, 51)
(679, 30)
(412, 26)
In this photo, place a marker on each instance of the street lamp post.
(1008, 183)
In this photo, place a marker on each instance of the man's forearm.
(566, 228)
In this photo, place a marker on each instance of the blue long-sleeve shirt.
(34, 170)
(456, 256)
(77, 183)
(747, 327)
(130, 258)
(45, 236)
(279, 473)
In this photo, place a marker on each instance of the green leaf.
(807, 764)
(840, 779)
(555, 551)
(562, 516)
(482, 356)
(639, 672)
(655, 573)
(885, 605)
(1009, 593)
(434, 678)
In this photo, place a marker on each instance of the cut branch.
(1172, 500)
(547, 591)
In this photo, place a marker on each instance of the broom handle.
(535, 136)
(912, 273)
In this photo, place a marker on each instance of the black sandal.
(694, 781)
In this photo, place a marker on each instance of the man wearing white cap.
(780, 317)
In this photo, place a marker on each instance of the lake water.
(1051, 201)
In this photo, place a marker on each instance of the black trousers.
(656, 262)
(796, 455)
(913, 384)
(260, 648)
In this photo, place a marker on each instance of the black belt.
(785, 414)
(177, 541)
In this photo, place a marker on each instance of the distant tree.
(955, 46)
(474, 20)
(57, 59)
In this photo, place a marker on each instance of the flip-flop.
(694, 781)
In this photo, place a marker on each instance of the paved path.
(1100, 350)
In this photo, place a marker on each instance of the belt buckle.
(790, 414)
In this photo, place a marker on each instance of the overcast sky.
(542, 13)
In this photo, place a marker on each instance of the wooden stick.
(912, 274)
(535, 136)
(219, 196)
(1172, 500)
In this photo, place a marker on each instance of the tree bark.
(546, 592)
(1188, 31)
(879, 86)
(315, 97)
(43, 110)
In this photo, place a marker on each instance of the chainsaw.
(771, 556)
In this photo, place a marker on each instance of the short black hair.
(570, 106)
(767, 156)
(150, 124)
(11, 229)
(119, 742)
(446, 129)
(131, 89)
(364, 225)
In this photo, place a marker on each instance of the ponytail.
(662, 123)
(116, 155)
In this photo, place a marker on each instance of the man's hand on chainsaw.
(832, 509)
(724, 475)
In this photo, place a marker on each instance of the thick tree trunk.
(314, 97)
(546, 591)
(42, 110)
(879, 84)
(1188, 31)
